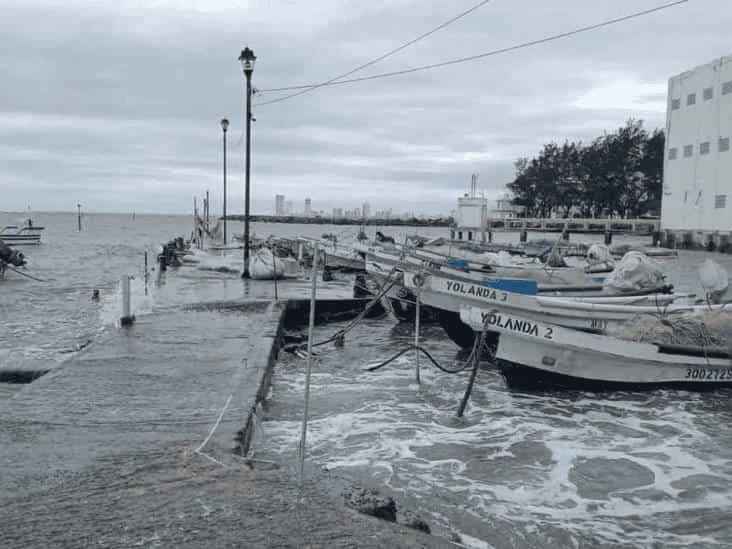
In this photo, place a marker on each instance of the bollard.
(127, 317)
(523, 235)
(656, 238)
(608, 238)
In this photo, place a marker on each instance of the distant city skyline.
(283, 207)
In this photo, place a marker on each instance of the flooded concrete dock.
(141, 439)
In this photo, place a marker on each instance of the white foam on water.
(515, 457)
(229, 261)
(141, 303)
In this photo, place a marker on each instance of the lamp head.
(247, 59)
(224, 124)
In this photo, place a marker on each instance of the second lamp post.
(247, 59)
(224, 126)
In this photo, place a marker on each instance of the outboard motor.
(9, 255)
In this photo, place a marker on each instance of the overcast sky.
(117, 105)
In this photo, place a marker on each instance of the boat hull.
(520, 376)
(546, 354)
(21, 239)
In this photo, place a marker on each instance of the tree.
(618, 173)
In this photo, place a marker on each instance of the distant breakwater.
(319, 220)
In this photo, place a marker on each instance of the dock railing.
(576, 224)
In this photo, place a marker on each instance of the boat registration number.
(717, 374)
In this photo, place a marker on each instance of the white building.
(471, 215)
(505, 209)
(697, 168)
(308, 207)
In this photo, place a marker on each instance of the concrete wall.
(697, 192)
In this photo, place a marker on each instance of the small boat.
(341, 256)
(25, 233)
(590, 308)
(535, 353)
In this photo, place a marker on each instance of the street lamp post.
(224, 126)
(247, 59)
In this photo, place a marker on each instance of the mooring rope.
(340, 334)
(24, 274)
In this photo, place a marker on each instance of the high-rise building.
(279, 204)
(308, 210)
(365, 210)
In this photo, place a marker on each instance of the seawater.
(552, 469)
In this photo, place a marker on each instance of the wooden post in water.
(78, 208)
(311, 323)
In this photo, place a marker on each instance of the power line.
(308, 87)
(490, 53)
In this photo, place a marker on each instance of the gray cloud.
(119, 107)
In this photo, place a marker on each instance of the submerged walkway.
(136, 441)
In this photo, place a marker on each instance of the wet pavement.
(135, 441)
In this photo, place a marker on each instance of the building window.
(723, 144)
(675, 104)
(691, 99)
(470, 235)
(672, 153)
(686, 196)
(460, 235)
(688, 150)
(720, 200)
(704, 147)
(708, 93)
(727, 87)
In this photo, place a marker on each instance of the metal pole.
(311, 323)
(416, 330)
(245, 274)
(78, 207)
(208, 207)
(146, 273)
(224, 186)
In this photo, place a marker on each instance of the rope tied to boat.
(339, 336)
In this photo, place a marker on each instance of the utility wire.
(490, 53)
(308, 87)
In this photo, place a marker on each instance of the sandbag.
(635, 271)
(598, 253)
(714, 279)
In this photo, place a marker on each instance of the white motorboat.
(24, 233)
